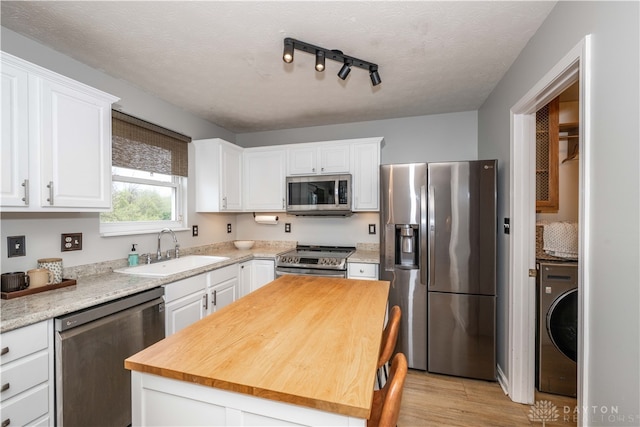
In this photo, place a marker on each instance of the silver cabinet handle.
(50, 187)
(283, 203)
(4, 351)
(25, 199)
(215, 297)
(5, 387)
(224, 202)
(205, 303)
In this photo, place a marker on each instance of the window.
(149, 178)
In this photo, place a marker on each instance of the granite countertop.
(94, 289)
(366, 254)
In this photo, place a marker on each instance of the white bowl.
(243, 244)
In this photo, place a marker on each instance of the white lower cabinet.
(26, 375)
(254, 274)
(222, 287)
(160, 401)
(362, 271)
(185, 303)
(191, 299)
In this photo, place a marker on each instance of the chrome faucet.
(175, 241)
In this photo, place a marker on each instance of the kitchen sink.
(172, 266)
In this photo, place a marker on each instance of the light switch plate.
(71, 242)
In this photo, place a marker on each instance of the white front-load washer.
(557, 328)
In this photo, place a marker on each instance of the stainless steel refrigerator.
(437, 248)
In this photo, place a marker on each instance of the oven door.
(284, 271)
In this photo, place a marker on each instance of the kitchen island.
(299, 351)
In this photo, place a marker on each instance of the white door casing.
(521, 317)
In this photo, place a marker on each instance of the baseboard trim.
(502, 380)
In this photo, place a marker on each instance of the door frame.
(522, 316)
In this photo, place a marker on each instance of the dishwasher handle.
(79, 318)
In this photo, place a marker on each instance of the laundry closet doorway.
(574, 67)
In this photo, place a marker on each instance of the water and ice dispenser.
(407, 245)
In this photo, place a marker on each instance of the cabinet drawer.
(184, 287)
(25, 408)
(363, 271)
(23, 374)
(224, 273)
(21, 342)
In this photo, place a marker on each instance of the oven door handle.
(323, 274)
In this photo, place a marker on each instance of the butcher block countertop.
(308, 341)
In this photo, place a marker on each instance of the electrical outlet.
(228, 228)
(71, 242)
(194, 230)
(372, 229)
(16, 246)
(287, 227)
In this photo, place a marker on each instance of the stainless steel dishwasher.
(92, 386)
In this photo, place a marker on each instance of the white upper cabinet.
(318, 158)
(366, 174)
(15, 136)
(264, 179)
(218, 177)
(56, 141)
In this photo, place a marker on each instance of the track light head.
(319, 60)
(344, 71)
(287, 55)
(375, 77)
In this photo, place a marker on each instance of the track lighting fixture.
(319, 60)
(287, 55)
(375, 77)
(344, 71)
(321, 54)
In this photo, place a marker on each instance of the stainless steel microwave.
(319, 195)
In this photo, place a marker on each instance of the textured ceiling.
(222, 60)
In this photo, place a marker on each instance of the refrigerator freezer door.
(411, 296)
(461, 335)
(462, 227)
(403, 214)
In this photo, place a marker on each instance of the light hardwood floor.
(440, 400)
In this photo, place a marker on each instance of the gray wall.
(438, 137)
(612, 322)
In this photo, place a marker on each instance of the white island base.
(160, 401)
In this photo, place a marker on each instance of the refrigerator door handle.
(432, 236)
(423, 234)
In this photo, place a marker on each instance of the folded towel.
(561, 239)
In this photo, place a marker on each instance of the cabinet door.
(245, 278)
(302, 160)
(547, 157)
(366, 176)
(222, 294)
(75, 147)
(334, 158)
(263, 273)
(183, 312)
(264, 180)
(231, 179)
(14, 161)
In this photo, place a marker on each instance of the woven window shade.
(141, 145)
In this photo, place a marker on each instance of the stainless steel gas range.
(313, 260)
